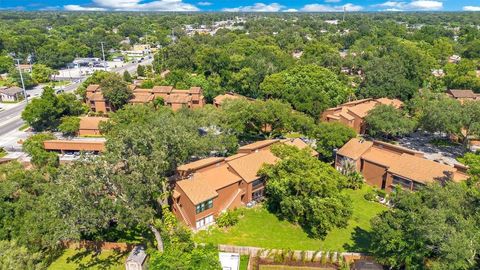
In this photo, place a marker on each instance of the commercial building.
(385, 165)
(205, 188)
(11, 94)
(353, 113)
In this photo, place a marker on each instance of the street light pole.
(21, 79)
(103, 53)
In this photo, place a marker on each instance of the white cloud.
(471, 8)
(204, 3)
(413, 5)
(391, 4)
(257, 7)
(80, 8)
(136, 5)
(290, 10)
(425, 5)
(329, 8)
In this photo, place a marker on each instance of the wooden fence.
(306, 254)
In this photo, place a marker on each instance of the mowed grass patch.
(260, 228)
(73, 259)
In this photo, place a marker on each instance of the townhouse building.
(387, 166)
(353, 113)
(173, 98)
(206, 188)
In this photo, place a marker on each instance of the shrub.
(381, 193)
(355, 180)
(370, 195)
(228, 218)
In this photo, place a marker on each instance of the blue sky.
(244, 5)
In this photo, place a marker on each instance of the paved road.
(10, 119)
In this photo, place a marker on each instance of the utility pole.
(344, 11)
(21, 78)
(103, 53)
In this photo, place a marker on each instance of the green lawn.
(73, 259)
(260, 228)
(244, 262)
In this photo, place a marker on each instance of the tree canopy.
(310, 89)
(46, 112)
(306, 191)
(433, 228)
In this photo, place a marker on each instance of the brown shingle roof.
(74, 145)
(202, 186)
(200, 163)
(178, 98)
(380, 157)
(142, 90)
(355, 102)
(361, 110)
(195, 90)
(97, 96)
(221, 98)
(421, 169)
(248, 166)
(458, 93)
(355, 148)
(300, 144)
(257, 145)
(93, 87)
(162, 89)
(91, 123)
(141, 98)
(392, 102)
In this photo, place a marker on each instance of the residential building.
(218, 100)
(11, 94)
(89, 125)
(353, 113)
(95, 99)
(174, 98)
(463, 94)
(385, 165)
(177, 99)
(205, 188)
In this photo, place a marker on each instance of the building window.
(204, 206)
(257, 183)
(417, 186)
(204, 222)
(404, 183)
